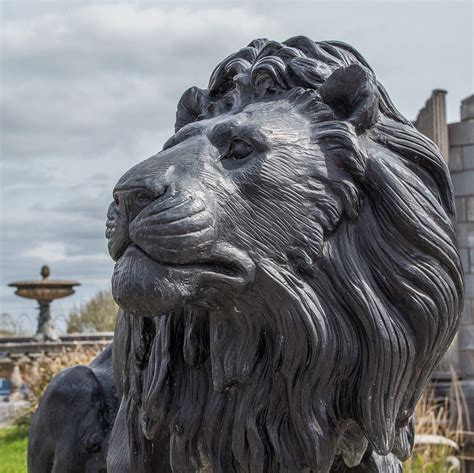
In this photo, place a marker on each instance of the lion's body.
(71, 429)
(288, 270)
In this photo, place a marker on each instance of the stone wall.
(461, 165)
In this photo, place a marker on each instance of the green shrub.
(96, 315)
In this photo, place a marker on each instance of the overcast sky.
(89, 88)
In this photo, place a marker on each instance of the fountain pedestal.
(45, 329)
(45, 291)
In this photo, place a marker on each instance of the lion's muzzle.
(174, 230)
(174, 227)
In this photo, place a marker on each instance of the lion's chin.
(146, 287)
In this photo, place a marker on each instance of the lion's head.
(288, 265)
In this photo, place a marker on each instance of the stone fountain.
(45, 291)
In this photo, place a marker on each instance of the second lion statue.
(288, 273)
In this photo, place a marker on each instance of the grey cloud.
(88, 90)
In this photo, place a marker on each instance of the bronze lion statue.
(288, 273)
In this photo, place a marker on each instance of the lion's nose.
(132, 199)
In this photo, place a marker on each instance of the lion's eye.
(239, 149)
(143, 197)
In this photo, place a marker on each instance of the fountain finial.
(45, 272)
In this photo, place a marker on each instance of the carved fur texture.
(288, 270)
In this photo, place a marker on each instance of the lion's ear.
(352, 93)
(190, 106)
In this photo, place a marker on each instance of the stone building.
(456, 141)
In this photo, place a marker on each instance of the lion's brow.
(188, 131)
(223, 131)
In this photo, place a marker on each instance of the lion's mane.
(338, 364)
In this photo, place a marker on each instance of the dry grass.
(441, 429)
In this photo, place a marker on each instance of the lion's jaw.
(145, 287)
